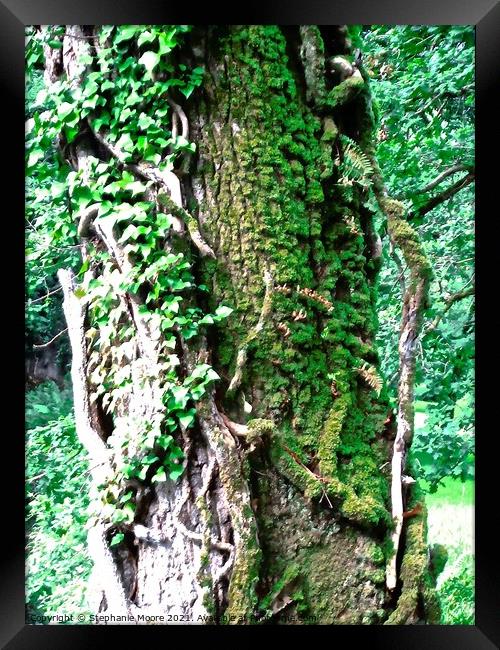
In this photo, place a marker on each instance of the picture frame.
(485, 15)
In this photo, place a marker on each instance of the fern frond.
(371, 377)
(356, 166)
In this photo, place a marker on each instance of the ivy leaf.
(187, 419)
(126, 33)
(175, 472)
(146, 37)
(166, 43)
(222, 312)
(150, 60)
(160, 476)
(117, 539)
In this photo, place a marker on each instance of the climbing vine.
(124, 99)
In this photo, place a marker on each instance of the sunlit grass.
(451, 523)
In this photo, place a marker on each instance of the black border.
(485, 15)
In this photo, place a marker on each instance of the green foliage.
(451, 524)
(56, 503)
(50, 236)
(456, 596)
(125, 95)
(422, 79)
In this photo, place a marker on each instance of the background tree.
(223, 186)
(423, 81)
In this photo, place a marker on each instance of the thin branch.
(31, 302)
(449, 302)
(460, 167)
(46, 345)
(443, 196)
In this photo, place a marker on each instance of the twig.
(46, 295)
(450, 301)
(46, 345)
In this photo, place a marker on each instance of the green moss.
(418, 583)
(290, 574)
(406, 238)
(272, 195)
(330, 436)
(304, 480)
(345, 92)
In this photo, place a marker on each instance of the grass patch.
(451, 523)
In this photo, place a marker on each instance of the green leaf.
(223, 312)
(187, 419)
(160, 476)
(166, 44)
(176, 472)
(35, 156)
(126, 33)
(84, 267)
(117, 539)
(179, 398)
(145, 37)
(150, 60)
(164, 441)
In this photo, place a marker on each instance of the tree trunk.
(282, 512)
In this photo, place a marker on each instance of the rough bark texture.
(266, 196)
(283, 510)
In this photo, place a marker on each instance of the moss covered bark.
(269, 199)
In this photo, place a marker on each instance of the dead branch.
(449, 302)
(46, 345)
(460, 167)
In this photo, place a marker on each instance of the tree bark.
(283, 510)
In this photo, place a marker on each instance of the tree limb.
(449, 302)
(46, 345)
(459, 167)
(442, 196)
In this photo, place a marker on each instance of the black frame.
(485, 15)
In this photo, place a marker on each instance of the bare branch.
(46, 345)
(443, 196)
(460, 167)
(449, 302)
